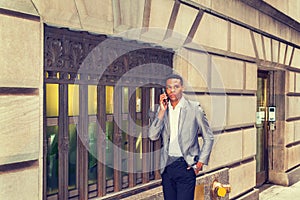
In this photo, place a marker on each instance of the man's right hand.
(163, 105)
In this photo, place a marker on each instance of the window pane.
(72, 155)
(109, 99)
(52, 100)
(92, 99)
(52, 159)
(152, 99)
(124, 147)
(138, 100)
(139, 146)
(125, 100)
(92, 165)
(109, 150)
(73, 99)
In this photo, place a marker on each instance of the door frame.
(262, 176)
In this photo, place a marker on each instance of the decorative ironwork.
(65, 55)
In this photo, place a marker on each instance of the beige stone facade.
(219, 48)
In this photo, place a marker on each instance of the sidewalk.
(277, 192)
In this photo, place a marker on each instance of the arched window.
(100, 94)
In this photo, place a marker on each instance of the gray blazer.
(192, 120)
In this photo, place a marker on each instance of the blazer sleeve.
(207, 135)
(155, 128)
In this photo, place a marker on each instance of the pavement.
(277, 192)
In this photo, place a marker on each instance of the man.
(178, 122)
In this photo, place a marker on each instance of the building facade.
(80, 79)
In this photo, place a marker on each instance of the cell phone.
(164, 91)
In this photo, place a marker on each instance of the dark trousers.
(178, 182)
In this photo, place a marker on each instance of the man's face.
(174, 89)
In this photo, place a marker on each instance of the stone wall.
(21, 97)
(218, 58)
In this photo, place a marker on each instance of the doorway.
(263, 89)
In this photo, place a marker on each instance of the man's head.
(174, 87)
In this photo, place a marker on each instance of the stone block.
(212, 32)
(180, 63)
(20, 52)
(239, 34)
(185, 19)
(259, 45)
(193, 66)
(222, 76)
(20, 133)
(160, 10)
(57, 12)
(269, 24)
(24, 6)
(288, 55)
(290, 81)
(293, 106)
(251, 77)
(215, 108)
(160, 13)
(242, 178)
(227, 149)
(295, 61)
(237, 10)
(268, 48)
(293, 158)
(275, 51)
(295, 38)
(282, 51)
(98, 16)
(241, 110)
(297, 83)
(249, 143)
(206, 3)
(289, 132)
(297, 131)
(20, 184)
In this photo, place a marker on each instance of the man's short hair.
(174, 76)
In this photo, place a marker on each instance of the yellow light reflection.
(92, 99)
(109, 99)
(73, 99)
(51, 100)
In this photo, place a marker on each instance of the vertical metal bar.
(132, 137)
(83, 142)
(101, 140)
(117, 138)
(145, 140)
(63, 142)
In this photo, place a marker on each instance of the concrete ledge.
(294, 176)
(285, 178)
(252, 195)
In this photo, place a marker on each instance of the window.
(96, 116)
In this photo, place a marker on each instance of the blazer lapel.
(182, 116)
